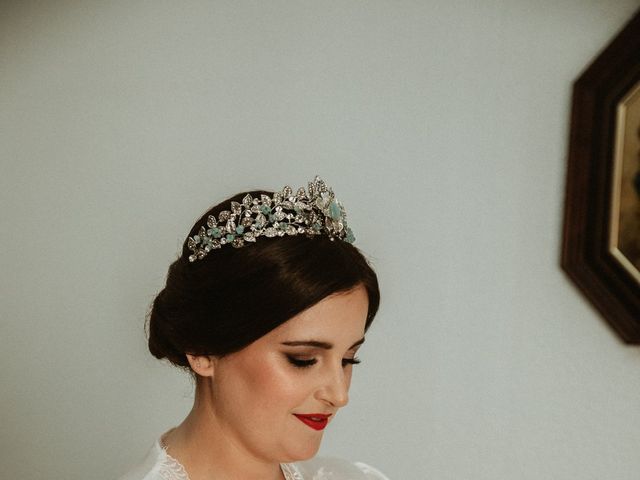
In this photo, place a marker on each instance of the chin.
(303, 452)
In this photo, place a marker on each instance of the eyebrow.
(317, 344)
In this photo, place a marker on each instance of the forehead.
(338, 317)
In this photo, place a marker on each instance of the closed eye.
(305, 363)
(301, 363)
(350, 361)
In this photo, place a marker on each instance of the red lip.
(317, 421)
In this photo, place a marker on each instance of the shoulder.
(332, 468)
(157, 465)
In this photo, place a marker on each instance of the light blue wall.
(443, 125)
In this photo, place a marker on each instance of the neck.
(207, 449)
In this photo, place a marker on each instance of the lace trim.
(172, 469)
(290, 472)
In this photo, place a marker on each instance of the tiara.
(312, 212)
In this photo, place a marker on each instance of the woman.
(266, 308)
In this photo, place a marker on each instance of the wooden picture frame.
(602, 202)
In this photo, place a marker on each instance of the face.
(264, 396)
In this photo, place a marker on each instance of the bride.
(266, 307)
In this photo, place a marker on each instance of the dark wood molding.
(586, 255)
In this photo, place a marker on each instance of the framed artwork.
(601, 238)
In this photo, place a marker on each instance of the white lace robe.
(159, 465)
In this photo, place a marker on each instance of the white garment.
(159, 465)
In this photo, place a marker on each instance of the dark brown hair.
(233, 296)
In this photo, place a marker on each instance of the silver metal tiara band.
(312, 212)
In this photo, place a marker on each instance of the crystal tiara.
(312, 212)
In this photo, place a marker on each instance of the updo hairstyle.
(233, 296)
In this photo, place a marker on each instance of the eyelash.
(298, 363)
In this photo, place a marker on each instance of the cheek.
(274, 385)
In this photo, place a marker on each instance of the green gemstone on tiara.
(350, 238)
(312, 212)
(334, 211)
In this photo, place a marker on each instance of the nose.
(334, 389)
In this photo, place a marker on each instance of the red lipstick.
(317, 421)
